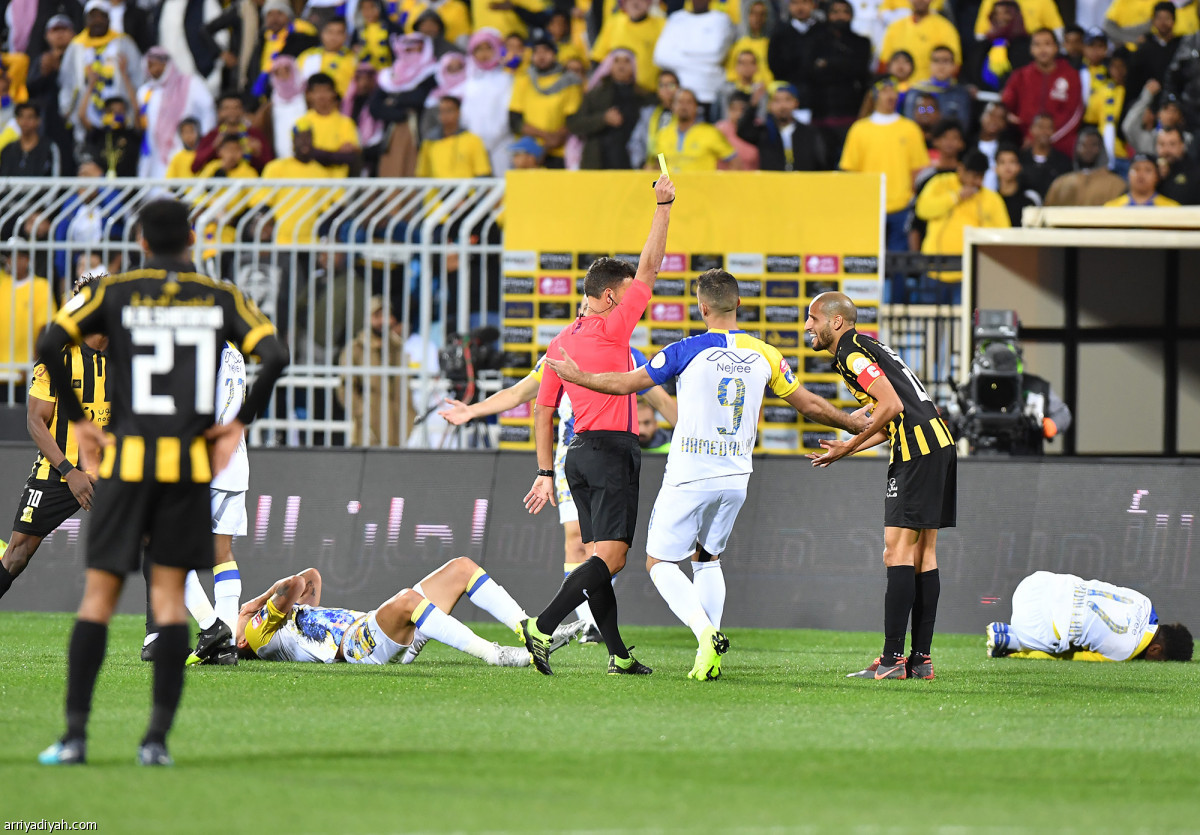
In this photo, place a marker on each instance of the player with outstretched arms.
(722, 376)
(1067, 617)
(920, 495)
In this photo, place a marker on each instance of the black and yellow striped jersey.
(166, 327)
(919, 428)
(88, 370)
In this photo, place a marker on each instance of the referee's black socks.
(589, 576)
(85, 654)
(924, 610)
(170, 652)
(897, 605)
(603, 602)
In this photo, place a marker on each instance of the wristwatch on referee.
(546, 473)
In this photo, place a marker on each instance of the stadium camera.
(465, 358)
(991, 409)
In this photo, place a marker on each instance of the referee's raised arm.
(656, 242)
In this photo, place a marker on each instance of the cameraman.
(1047, 414)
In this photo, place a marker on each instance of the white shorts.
(1033, 613)
(562, 490)
(366, 643)
(228, 512)
(688, 515)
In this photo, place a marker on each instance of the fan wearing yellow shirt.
(296, 209)
(1143, 186)
(1037, 14)
(887, 143)
(499, 14)
(26, 307)
(918, 34)
(331, 57)
(1127, 21)
(950, 203)
(223, 206)
(458, 154)
(543, 97)
(180, 166)
(635, 29)
(756, 42)
(335, 136)
(690, 145)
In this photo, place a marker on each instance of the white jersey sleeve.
(231, 395)
(723, 376)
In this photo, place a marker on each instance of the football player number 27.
(161, 362)
(731, 391)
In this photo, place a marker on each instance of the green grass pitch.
(783, 743)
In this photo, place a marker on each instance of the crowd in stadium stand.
(1100, 111)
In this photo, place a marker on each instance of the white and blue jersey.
(230, 397)
(722, 379)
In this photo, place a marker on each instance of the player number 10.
(738, 399)
(161, 362)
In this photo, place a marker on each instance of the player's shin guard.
(490, 596)
(196, 600)
(681, 596)
(227, 591)
(709, 580)
(85, 654)
(897, 605)
(589, 575)
(924, 610)
(450, 631)
(170, 652)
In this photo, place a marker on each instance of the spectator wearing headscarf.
(168, 96)
(181, 32)
(430, 24)
(356, 105)
(400, 101)
(605, 120)
(287, 103)
(451, 78)
(486, 95)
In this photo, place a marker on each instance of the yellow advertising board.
(785, 236)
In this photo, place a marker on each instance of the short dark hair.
(944, 126)
(1177, 641)
(1008, 148)
(1049, 32)
(27, 105)
(1173, 129)
(845, 3)
(939, 48)
(320, 79)
(719, 289)
(115, 100)
(1042, 115)
(604, 274)
(457, 101)
(1165, 6)
(1076, 29)
(744, 98)
(231, 94)
(976, 161)
(664, 73)
(1121, 55)
(337, 18)
(227, 138)
(165, 226)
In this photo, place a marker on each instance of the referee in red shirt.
(603, 461)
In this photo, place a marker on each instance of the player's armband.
(865, 371)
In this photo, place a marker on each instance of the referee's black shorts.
(922, 493)
(44, 505)
(604, 470)
(174, 519)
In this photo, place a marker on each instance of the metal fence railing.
(313, 256)
(316, 257)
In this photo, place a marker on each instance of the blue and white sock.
(490, 596)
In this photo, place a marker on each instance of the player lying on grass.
(288, 623)
(1064, 616)
(524, 391)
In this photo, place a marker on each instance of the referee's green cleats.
(713, 645)
(538, 645)
(627, 666)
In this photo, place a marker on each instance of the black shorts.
(174, 519)
(922, 494)
(604, 472)
(44, 505)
